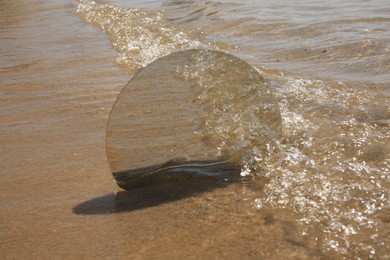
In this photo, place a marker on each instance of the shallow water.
(323, 194)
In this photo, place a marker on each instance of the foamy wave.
(326, 172)
(140, 37)
(318, 166)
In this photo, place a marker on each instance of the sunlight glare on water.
(330, 165)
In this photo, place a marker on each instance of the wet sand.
(59, 81)
(57, 195)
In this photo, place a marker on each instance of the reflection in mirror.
(191, 115)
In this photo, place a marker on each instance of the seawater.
(328, 65)
(322, 193)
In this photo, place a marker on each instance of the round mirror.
(191, 115)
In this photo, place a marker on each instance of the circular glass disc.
(179, 119)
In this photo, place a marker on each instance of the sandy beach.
(59, 80)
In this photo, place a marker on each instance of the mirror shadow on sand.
(158, 192)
